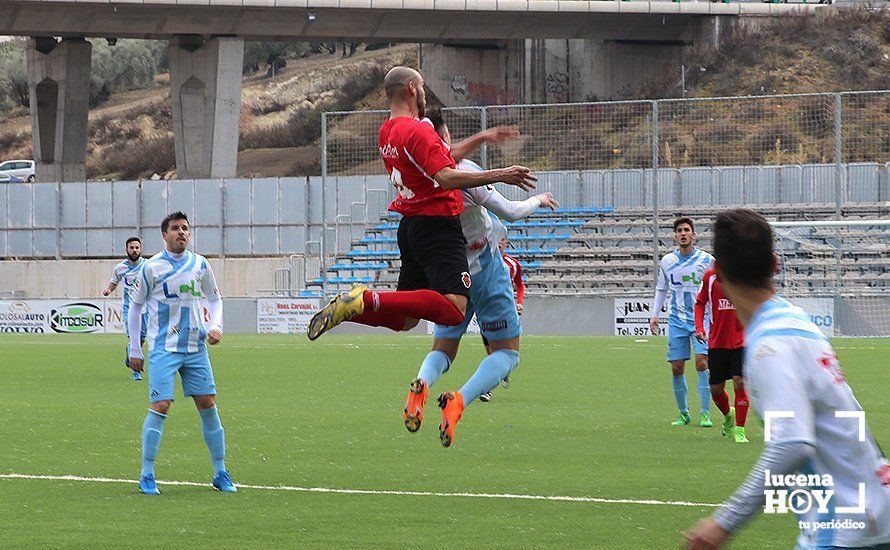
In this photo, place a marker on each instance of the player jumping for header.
(434, 279)
(171, 286)
(812, 422)
(726, 350)
(491, 299)
(681, 274)
(127, 271)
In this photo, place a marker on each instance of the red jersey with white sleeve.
(726, 331)
(515, 269)
(413, 152)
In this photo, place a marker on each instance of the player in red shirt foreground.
(434, 278)
(726, 351)
(515, 270)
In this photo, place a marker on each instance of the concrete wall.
(237, 277)
(564, 70)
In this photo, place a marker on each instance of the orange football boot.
(452, 405)
(413, 415)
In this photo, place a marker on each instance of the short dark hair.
(743, 247)
(680, 221)
(170, 218)
(131, 239)
(435, 116)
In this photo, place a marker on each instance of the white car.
(23, 169)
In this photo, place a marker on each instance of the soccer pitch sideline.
(587, 418)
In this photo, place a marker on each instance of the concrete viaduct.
(481, 51)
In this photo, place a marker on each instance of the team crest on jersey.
(465, 279)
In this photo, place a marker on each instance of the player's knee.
(738, 383)
(677, 367)
(161, 406)
(701, 364)
(204, 401)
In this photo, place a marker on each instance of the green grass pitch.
(584, 417)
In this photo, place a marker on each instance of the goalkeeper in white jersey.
(491, 294)
(817, 443)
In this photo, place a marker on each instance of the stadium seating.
(604, 250)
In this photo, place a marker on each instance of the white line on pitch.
(506, 496)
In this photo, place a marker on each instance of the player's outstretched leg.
(152, 430)
(215, 438)
(434, 365)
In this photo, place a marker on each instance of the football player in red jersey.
(434, 278)
(726, 341)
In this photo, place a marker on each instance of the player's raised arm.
(498, 134)
(513, 210)
(452, 178)
(214, 306)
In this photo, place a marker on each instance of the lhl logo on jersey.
(191, 288)
(693, 278)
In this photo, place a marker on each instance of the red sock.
(416, 304)
(722, 402)
(741, 407)
(392, 321)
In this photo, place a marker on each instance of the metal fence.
(758, 150)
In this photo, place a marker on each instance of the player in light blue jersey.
(172, 288)
(126, 272)
(491, 298)
(679, 281)
(819, 459)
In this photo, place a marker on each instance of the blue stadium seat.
(540, 237)
(343, 280)
(378, 240)
(360, 266)
(530, 251)
(372, 253)
(531, 265)
(311, 294)
(386, 227)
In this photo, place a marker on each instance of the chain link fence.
(660, 158)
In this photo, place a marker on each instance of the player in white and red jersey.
(434, 278)
(818, 448)
(726, 350)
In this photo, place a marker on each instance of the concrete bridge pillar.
(59, 86)
(205, 84)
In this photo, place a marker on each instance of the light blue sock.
(491, 371)
(215, 437)
(152, 430)
(704, 390)
(680, 390)
(435, 364)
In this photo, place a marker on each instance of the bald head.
(397, 80)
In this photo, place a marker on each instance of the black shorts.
(434, 255)
(724, 364)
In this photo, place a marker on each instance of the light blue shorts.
(678, 343)
(193, 368)
(492, 301)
